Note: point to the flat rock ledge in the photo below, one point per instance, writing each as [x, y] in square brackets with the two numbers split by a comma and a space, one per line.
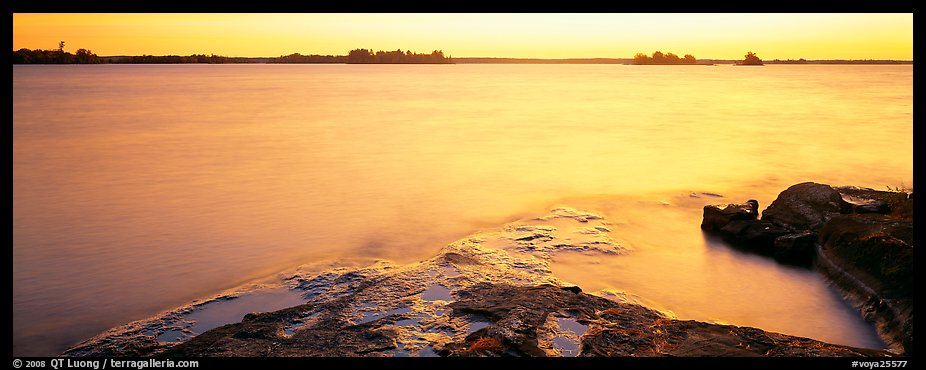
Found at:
[522, 321]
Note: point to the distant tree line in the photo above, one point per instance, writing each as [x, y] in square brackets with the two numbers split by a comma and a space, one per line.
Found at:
[789, 61]
[57, 56]
[841, 61]
[368, 56]
[660, 58]
[177, 59]
[84, 56]
[313, 58]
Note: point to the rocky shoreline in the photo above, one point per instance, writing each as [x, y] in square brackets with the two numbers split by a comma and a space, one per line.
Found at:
[493, 294]
[860, 239]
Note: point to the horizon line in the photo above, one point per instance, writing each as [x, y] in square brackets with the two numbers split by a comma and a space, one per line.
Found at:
[494, 57]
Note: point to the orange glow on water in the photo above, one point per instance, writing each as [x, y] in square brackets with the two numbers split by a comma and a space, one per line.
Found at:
[140, 187]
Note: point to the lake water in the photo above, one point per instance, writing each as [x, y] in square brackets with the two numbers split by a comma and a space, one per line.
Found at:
[137, 188]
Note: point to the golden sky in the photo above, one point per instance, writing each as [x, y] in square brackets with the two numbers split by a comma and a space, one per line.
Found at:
[515, 35]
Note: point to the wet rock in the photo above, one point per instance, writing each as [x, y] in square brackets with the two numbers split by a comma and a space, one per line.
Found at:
[519, 325]
[568, 212]
[718, 216]
[867, 200]
[664, 337]
[882, 248]
[797, 248]
[806, 206]
[875, 206]
[573, 289]
[615, 329]
[754, 235]
[737, 225]
[129, 346]
[517, 313]
[870, 257]
[264, 338]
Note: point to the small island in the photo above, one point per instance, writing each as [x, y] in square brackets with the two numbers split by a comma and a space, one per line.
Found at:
[364, 56]
[750, 60]
[659, 58]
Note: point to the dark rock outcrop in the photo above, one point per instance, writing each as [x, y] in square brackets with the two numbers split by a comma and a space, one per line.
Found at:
[799, 248]
[738, 225]
[756, 235]
[806, 206]
[881, 248]
[718, 216]
[861, 239]
[871, 258]
[865, 200]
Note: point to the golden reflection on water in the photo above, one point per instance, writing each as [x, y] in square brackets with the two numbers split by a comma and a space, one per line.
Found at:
[140, 187]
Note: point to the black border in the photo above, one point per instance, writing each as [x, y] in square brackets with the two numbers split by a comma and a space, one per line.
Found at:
[689, 6]
[378, 363]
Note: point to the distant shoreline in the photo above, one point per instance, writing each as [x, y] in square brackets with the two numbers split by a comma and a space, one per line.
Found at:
[474, 60]
[626, 61]
[629, 61]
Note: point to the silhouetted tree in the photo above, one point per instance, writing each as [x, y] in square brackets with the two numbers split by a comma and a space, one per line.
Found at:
[659, 57]
[752, 60]
[360, 56]
[641, 58]
[85, 56]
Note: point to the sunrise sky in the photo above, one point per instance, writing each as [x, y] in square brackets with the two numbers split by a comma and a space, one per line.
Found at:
[514, 35]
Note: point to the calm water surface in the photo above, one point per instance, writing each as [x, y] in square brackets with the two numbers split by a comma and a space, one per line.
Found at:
[137, 188]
